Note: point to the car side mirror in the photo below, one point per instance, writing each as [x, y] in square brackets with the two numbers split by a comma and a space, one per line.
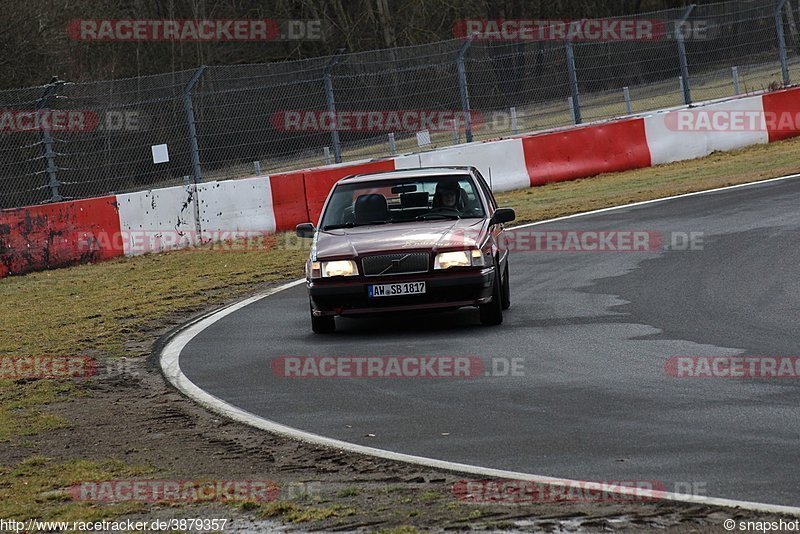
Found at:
[503, 215]
[305, 230]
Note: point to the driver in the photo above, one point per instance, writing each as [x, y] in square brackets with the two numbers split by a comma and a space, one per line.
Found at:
[448, 195]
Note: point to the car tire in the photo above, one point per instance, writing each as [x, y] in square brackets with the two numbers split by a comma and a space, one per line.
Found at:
[506, 288]
[323, 324]
[492, 312]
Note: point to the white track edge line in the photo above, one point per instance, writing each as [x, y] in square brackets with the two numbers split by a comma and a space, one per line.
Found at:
[169, 361]
[657, 200]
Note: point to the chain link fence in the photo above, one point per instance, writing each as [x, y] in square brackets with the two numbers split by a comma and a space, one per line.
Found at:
[74, 140]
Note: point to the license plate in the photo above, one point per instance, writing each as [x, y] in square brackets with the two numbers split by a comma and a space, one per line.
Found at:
[392, 290]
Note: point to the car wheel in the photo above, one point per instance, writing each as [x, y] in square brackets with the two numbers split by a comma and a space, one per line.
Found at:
[323, 324]
[492, 312]
[506, 288]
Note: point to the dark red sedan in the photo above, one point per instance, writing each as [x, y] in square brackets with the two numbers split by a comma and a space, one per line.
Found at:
[414, 239]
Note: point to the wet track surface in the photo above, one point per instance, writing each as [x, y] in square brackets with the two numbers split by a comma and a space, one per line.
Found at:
[594, 331]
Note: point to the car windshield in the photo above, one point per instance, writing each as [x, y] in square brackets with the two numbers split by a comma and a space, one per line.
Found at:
[403, 200]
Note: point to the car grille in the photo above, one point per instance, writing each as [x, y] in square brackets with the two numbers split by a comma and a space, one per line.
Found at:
[387, 264]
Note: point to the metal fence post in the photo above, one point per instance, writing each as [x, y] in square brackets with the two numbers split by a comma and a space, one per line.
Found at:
[194, 148]
[190, 183]
[514, 126]
[328, 74]
[626, 94]
[679, 39]
[462, 87]
[454, 129]
[573, 82]
[735, 76]
[571, 108]
[781, 41]
[47, 142]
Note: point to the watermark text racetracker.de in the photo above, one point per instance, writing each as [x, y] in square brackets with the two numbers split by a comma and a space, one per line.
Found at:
[394, 120]
[582, 30]
[155, 241]
[196, 30]
[67, 120]
[520, 492]
[540, 240]
[731, 121]
[458, 367]
[116, 491]
[535, 240]
[44, 367]
[783, 367]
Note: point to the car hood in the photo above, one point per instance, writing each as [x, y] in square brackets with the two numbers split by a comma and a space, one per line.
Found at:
[427, 235]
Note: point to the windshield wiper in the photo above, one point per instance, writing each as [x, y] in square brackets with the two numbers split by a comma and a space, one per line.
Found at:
[338, 226]
[452, 216]
[350, 225]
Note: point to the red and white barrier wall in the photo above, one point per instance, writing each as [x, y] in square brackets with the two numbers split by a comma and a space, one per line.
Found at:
[54, 235]
[785, 104]
[161, 219]
[501, 162]
[688, 134]
[581, 152]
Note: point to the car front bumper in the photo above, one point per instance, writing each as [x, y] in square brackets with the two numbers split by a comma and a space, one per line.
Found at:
[442, 290]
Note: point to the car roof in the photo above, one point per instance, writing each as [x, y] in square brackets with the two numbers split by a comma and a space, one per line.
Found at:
[408, 173]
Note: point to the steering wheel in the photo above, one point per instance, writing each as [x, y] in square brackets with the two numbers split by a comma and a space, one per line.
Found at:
[440, 209]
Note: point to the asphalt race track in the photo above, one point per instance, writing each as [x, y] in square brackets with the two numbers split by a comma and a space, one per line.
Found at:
[595, 330]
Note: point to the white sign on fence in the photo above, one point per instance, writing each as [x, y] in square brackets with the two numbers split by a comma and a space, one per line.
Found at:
[423, 138]
[160, 153]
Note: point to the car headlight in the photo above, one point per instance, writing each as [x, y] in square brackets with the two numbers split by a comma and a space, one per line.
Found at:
[459, 258]
[336, 268]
